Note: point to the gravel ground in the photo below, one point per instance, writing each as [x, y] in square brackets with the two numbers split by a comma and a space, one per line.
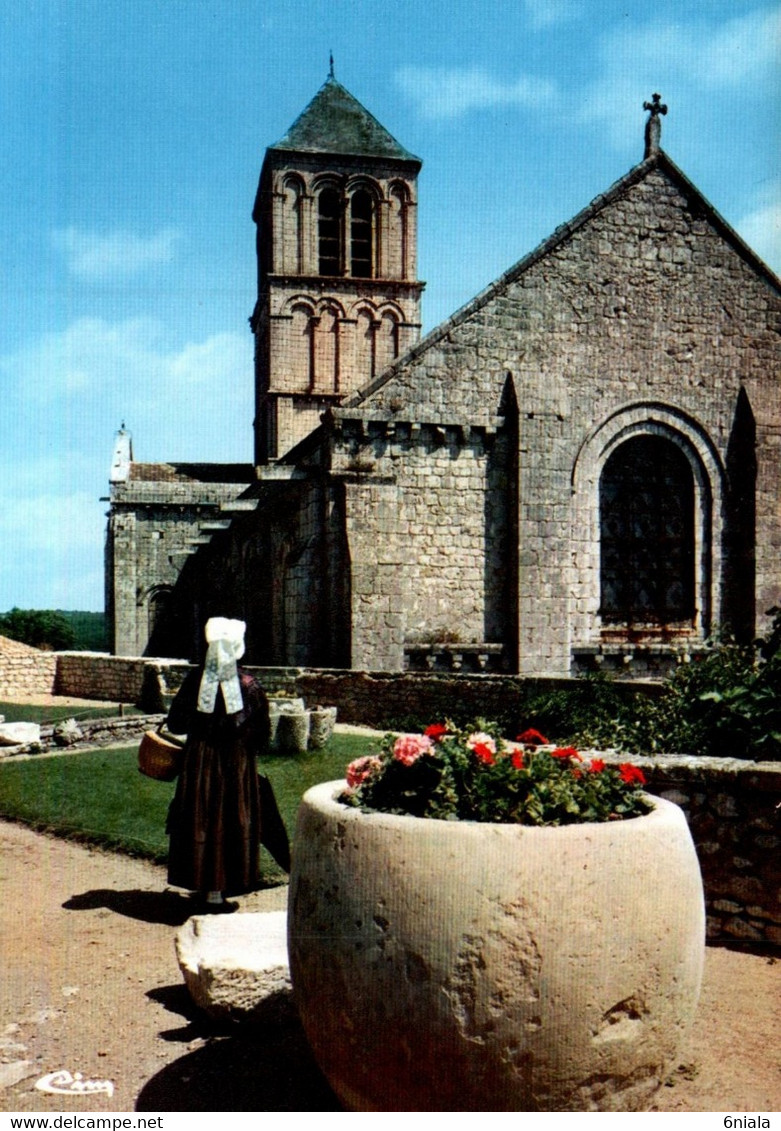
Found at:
[90, 984]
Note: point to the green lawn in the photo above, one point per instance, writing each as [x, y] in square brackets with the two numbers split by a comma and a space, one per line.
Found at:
[99, 796]
[28, 713]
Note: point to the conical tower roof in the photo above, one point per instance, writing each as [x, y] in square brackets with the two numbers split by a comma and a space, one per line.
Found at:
[336, 122]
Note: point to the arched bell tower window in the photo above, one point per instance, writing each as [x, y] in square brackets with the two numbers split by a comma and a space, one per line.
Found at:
[329, 232]
[647, 535]
[361, 211]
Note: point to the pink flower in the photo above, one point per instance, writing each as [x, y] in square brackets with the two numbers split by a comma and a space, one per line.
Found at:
[532, 737]
[408, 747]
[361, 769]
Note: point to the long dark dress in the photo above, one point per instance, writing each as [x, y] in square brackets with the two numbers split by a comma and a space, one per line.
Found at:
[214, 821]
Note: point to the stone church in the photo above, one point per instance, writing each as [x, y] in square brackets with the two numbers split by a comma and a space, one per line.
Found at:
[581, 468]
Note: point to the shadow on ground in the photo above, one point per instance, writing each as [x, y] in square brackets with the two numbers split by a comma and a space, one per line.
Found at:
[265, 1065]
[166, 907]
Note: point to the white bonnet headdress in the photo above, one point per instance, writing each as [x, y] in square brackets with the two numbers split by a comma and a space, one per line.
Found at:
[226, 645]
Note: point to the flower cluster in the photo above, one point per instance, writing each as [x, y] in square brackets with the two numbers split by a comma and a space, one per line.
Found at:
[474, 774]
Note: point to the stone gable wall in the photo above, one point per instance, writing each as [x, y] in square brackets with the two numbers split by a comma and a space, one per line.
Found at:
[643, 319]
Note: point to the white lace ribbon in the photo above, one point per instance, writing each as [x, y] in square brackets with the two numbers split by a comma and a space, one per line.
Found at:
[226, 645]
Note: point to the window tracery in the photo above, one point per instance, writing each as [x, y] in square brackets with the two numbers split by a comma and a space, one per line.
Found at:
[647, 535]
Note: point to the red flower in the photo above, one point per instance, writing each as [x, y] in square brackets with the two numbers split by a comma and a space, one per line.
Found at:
[577, 773]
[484, 752]
[517, 759]
[435, 731]
[597, 765]
[532, 737]
[631, 774]
[566, 752]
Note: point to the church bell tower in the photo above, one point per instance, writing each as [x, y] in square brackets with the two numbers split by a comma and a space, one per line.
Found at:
[338, 297]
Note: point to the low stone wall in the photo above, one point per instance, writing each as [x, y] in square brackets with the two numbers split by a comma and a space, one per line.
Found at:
[117, 679]
[26, 671]
[732, 807]
[380, 699]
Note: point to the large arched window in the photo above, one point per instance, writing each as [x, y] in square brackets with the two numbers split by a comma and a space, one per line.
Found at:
[329, 233]
[646, 518]
[361, 235]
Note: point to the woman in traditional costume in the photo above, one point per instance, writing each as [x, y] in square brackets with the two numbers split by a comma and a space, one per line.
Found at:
[217, 819]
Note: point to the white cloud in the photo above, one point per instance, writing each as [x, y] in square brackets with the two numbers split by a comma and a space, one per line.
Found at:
[688, 62]
[95, 255]
[546, 13]
[450, 92]
[126, 361]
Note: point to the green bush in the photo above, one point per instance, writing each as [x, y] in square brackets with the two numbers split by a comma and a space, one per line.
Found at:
[40, 628]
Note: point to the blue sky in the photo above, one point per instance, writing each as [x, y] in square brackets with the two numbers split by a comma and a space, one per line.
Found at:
[134, 133]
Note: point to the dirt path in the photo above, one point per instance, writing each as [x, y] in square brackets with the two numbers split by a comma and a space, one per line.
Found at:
[89, 983]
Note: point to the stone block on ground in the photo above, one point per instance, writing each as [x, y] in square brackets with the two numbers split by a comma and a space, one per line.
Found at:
[235, 966]
[16, 734]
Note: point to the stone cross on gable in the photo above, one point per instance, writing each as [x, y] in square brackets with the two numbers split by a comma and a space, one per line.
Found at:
[653, 127]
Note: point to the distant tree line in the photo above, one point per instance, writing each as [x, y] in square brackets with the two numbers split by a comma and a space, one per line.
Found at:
[55, 630]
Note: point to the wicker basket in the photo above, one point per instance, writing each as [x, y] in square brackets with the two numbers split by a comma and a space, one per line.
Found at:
[160, 756]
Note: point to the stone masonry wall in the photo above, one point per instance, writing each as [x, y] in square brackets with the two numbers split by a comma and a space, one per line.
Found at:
[443, 538]
[641, 316]
[25, 671]
[91, 675]
[151, 533]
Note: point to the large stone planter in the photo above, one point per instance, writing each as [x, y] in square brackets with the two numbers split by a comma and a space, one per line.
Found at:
[454, 966]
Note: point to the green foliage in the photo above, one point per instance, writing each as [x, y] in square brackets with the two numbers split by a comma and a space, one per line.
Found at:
[56, 629]
[89, 630]
[40, 628]
[745, 711]
[473, 774]
[725, 704]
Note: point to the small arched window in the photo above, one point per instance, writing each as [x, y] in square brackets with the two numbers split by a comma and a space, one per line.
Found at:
[329, 233]
[398, 251]
[646, 515]
[361, 236]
